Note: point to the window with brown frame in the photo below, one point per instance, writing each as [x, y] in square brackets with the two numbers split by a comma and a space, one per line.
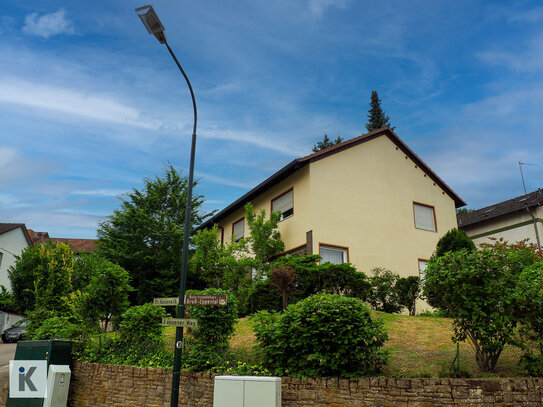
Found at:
[284, 203]
[333, 254]
[238, 230]
[425, 217]
[422, 269]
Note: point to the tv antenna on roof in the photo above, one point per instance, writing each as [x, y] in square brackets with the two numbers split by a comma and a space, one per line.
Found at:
[520, 164]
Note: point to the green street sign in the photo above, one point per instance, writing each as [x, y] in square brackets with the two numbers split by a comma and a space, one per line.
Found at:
[180, 322]
[163, 302]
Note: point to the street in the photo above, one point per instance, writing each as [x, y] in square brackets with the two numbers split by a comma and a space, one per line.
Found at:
[7, 353]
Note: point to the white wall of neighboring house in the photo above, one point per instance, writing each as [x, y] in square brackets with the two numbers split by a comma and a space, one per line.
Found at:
[12, 244]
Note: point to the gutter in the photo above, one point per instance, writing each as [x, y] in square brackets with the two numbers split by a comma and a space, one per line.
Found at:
[535, 228]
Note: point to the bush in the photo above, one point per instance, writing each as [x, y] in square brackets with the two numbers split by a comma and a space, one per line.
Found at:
[216, 325]
[408, 290]
[383, 294]
[529, 296]
[262, 296]
[478, 289]
[314, 278]
[323, 335]
[142, 323]
[453, 241]
[7, 300]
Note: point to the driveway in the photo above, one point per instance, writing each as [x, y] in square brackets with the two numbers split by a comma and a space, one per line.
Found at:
[7, 353]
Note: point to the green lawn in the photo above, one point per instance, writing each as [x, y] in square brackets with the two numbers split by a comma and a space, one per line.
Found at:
[419, 346]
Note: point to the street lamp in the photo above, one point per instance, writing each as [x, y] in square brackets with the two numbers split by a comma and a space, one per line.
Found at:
[154, 26]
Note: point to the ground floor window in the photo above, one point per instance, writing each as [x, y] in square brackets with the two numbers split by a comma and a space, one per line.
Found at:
[333, 254]
[422, 268]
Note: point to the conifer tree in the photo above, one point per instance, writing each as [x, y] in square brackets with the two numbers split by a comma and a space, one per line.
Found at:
[326, 142]
[376, 117]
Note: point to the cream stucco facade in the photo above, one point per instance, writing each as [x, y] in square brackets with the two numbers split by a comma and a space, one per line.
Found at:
[512, 227]
[361, 198]
[12, 243]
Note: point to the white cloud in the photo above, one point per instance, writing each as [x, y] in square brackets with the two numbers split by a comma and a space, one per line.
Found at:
[526, 59]
[318, 7]
[48, 25]
[71, 101]
[100, 192]
[224, 181]
[534, 15]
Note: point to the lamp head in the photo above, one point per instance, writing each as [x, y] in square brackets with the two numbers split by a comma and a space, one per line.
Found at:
[151, 21]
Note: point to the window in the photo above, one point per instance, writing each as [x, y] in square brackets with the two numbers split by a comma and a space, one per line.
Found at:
[425, 217]
[422, 269]
[238, 230]
[1, 254]
[333, 254]
[284, 203]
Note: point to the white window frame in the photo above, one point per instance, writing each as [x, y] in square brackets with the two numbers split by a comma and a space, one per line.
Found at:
[420, 225]
[290, 210]
[344, 250]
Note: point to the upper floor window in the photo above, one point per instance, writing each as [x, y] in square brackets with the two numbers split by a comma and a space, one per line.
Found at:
[238, 230]
[425, 217]
[284, 203]
[1, 254]
[333, 254]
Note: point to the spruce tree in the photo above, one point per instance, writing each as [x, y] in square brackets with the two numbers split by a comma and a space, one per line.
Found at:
[376, 117]
[326, 142]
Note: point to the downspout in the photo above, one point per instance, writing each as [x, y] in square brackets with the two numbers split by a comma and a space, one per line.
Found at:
[535, 228]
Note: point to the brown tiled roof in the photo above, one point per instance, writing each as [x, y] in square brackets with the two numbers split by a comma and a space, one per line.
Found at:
[503, 208]
[6, 227]
[298, 163]
[78, 245]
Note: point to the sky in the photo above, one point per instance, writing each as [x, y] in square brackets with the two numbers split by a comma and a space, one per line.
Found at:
[91, 104]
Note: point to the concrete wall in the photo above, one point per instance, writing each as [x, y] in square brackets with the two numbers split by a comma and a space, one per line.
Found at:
[11, 243]
[114, 386]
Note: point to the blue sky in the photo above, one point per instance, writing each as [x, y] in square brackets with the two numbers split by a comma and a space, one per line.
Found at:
[90, 104]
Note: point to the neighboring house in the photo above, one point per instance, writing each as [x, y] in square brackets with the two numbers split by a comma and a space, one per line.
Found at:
[14, 239]
[513, 220]
[369, 201]
[78, 245]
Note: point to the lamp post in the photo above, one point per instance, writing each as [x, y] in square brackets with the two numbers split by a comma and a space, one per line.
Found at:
[155, 27]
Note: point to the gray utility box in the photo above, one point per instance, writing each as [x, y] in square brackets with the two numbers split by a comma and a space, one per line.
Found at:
[58, 385]
[247, 391]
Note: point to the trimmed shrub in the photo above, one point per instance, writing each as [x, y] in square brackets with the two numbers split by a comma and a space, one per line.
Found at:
[323, 335]
[383, 294]
[216, 325]
[142, 323]
[453, 241]
[262, 296]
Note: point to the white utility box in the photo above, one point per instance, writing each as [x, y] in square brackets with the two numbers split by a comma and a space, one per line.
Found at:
[247, 391]
[58, 385]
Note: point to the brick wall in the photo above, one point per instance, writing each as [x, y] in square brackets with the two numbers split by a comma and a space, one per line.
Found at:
[115, 386]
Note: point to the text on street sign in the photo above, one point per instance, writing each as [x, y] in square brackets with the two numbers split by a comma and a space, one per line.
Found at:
[165, 301]
[216, 300]
[180, 322]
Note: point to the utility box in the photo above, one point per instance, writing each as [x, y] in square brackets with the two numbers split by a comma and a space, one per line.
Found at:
[247, 391]
[53, 351]
[58, 385]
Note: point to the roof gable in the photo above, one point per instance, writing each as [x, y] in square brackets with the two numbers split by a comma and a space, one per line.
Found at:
[8, 227]
[298, 163]
[502, 208]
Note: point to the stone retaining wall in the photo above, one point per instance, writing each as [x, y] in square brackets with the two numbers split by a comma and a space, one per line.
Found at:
[96, 385]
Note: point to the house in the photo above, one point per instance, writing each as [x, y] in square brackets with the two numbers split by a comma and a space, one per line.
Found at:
[370, 201]
[78, 245]
[14, 238]
[513, 220]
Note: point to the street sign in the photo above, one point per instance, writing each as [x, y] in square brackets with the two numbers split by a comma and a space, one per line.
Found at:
[180, 322]
[216, 300]
[162, 302]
